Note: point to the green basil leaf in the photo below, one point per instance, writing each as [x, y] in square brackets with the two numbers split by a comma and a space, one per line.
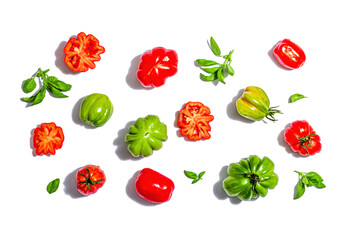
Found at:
[58, 84]
[211, 77]
[191, 175]
[201, 174]
[300, 190]
[305, 180]
[56, 92]
[195, 181]
[29, 85]
[296, 96]
[39, 97]
[214, 47]
[29, 99]
[53, 186]
[211, 70]
[220, 75]
[205, 63]
[230, 70]
[320, 185]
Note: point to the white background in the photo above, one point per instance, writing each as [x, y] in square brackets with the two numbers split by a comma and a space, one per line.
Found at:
[33, 35]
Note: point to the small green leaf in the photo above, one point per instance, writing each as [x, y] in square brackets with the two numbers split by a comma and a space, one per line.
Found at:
[56, 92]
[211, 70]
[205, 63]
[191, 175]
[300, 190]
[58, 84]
[220, 75]
[211, 77]
[305, 180]
[296, 96]
[195, 180]
[39, 97]
[230, 70]
[201, 174]
[53, 186]
[29, 85]
[320, 185]
[29, 99]
[214, 47]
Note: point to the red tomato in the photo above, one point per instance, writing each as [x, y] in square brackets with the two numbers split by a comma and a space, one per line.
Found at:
[289, 55]
[81, 53]
[156, 66]
[153, 186]
[47, 138]
[302, 138]
[194, 121]
[89, 179]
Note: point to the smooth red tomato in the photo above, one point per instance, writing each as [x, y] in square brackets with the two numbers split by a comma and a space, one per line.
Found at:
[156, 66]
[89, 179]
[47, 138]
[302, 138]
[289, 55]
[153, 186]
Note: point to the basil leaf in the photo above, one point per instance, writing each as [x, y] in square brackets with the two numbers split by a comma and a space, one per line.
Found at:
[205, 63]
[39, 97]
[300, 190]
[211, 70]
[29, 85]
[28, 99]
[58, 84]
[220, 75]
[214, 47]
[305, 180]
[212, 77]
[195, 181]
[191, 175]
[230, 70]
[201, 174]
[320, 185]
[53, 186]
[56, 92]
[296, 96]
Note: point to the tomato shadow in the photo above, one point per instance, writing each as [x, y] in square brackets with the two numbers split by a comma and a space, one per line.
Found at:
[131, 78]
[218, 188]
[232, 112]
[284, 144]
[70, 185]
[273, 59]
[59, 59]
[121, 151]
[75, 115]
[131, 192]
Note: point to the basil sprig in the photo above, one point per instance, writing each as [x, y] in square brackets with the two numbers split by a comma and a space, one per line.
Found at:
[194, 176]
[53, 186]
[50, 83]
[308, 179]
[216, 70]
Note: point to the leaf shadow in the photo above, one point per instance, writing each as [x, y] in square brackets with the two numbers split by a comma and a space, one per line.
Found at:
[132, 194]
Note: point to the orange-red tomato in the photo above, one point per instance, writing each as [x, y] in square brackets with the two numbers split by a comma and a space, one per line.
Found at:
[89, 179]
[47, 138]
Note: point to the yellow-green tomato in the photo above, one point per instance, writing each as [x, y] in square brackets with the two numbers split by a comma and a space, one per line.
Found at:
[96, 109]
[254, 104]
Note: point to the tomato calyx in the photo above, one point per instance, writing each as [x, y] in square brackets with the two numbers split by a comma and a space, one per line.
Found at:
[88, 181]
[303, 140]
[272, 112]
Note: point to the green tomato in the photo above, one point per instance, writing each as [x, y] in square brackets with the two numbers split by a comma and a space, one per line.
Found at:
[254, 104]
[250, 178]
[146, 135]
[96, 109]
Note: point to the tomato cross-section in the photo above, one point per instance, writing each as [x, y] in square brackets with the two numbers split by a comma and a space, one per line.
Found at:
[194, 121]
[81, 53]
[47, 138]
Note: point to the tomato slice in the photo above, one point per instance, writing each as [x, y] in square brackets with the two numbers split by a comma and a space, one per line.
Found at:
[194, 121]
[47, 138]
[81, 53]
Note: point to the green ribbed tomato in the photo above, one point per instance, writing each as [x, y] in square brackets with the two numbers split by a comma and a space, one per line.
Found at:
[96, 109]
[250, 178]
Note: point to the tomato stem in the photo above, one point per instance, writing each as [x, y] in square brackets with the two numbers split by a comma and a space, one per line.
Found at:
[271, 112]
